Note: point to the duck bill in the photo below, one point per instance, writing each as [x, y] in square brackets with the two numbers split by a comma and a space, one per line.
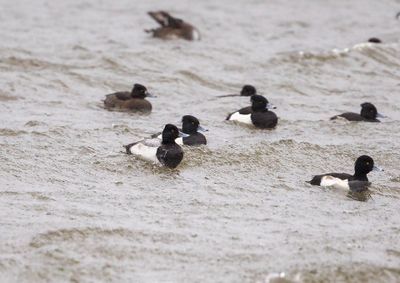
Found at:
[148, 94]
[183, 135]
[377, 169]
[270, 106]
[201, 129]
[379, 115]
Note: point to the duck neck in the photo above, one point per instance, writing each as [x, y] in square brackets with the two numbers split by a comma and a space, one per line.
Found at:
[189, 131]
[168, 141]
[360, 176]
[257, 109]
[135, 94]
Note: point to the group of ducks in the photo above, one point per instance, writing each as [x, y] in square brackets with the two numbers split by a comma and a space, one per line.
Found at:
[165, 148]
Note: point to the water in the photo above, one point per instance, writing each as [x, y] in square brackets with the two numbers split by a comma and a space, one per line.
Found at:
[74, 208]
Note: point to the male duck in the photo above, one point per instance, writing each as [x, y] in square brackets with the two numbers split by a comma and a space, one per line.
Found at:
[368, 113]
[164, 152]
[257, 114]
[363, 165]
[191, 127]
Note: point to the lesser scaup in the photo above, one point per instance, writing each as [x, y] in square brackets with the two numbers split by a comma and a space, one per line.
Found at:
[130, 101]
[191, 127]
[247, 90]
[172, 28]
[165, 152]
[368, 113]
[257, 114]
[363, 165]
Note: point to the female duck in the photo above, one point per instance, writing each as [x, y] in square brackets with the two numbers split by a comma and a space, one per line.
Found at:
[165, 152]
[129, 101]
[172, 27]
[257, 114]
[368, 113]
[363, 165]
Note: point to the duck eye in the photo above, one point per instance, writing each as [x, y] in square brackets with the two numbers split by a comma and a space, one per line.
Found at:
[367, 163]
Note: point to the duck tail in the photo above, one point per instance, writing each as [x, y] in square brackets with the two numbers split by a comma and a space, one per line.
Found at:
[128, 147]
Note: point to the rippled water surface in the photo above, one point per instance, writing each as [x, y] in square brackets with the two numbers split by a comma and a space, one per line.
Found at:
[74, 208]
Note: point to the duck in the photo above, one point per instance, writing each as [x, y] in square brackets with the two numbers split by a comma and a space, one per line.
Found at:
[368, 113]
[130, 101]
[172, 28]
[247, 90]
[164, 152]
[363, 165]
[358, 190]
[374, 40]
[191, 127]
[257, 114]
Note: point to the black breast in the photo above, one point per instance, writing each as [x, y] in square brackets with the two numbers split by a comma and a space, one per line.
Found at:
[170, 155]
[264, 120]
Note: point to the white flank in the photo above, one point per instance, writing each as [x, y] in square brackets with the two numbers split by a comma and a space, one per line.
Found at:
[179, 141]
[145, 152]
[336, 183]
[195, 34]
[242, 118]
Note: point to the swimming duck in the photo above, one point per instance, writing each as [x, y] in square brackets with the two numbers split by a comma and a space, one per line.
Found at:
[191, 127]
[257, 114]
[130, 101]
[368, 113]
[165, 152]
[363, 165]
[247, 90]
[374, 40]
[357, 190]
[172, 28]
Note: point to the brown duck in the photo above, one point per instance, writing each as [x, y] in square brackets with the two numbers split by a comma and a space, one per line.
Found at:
[129, 101]
[172, 28]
